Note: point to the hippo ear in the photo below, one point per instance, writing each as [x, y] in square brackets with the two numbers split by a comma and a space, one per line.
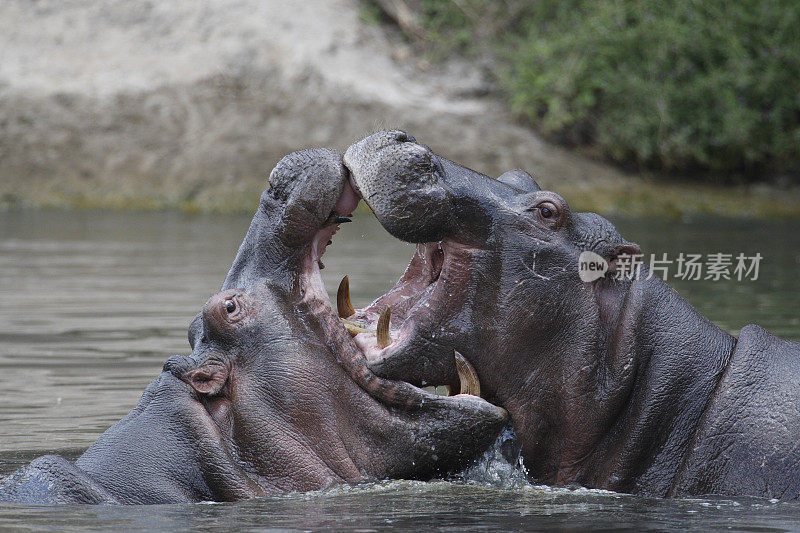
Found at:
[626, 250]
[520, 180]
[195, 330]
[209, 378]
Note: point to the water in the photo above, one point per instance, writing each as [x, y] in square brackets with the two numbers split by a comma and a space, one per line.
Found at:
[93, 303]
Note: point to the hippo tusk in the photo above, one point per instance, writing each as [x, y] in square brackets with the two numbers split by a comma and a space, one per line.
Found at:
[384, 339]
[343, 303]
[467, 376]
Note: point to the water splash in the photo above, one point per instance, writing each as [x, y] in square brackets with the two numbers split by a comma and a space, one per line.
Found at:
[500, 466]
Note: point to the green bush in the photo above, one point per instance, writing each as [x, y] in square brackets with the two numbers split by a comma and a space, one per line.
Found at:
[664, 84]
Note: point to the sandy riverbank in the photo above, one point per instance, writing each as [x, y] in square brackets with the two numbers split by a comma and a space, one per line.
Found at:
[189, 104]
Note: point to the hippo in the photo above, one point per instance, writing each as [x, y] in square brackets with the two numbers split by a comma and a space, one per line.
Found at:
[614, 383]
[275, 395]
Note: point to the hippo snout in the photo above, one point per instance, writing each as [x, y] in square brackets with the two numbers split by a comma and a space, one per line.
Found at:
[401, 181]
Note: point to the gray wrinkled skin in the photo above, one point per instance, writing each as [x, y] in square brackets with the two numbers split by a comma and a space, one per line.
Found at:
[613, 384]
[275, 396]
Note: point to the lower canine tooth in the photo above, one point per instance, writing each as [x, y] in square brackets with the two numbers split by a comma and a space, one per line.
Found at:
[384, 339]
[343, 303]
[467, 376]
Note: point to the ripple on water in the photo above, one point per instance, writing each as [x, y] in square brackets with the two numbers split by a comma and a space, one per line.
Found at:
[95, 302]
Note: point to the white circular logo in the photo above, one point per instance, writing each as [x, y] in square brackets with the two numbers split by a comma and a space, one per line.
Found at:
[591, 266]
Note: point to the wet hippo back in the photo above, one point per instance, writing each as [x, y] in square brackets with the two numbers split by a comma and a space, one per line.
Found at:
[749, 436]
[52, 479]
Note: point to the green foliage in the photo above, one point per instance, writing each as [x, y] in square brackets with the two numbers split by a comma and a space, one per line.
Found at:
[666, 84]
[371, 13]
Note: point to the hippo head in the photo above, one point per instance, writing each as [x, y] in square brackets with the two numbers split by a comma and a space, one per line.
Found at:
[495, 277]
[282, 378]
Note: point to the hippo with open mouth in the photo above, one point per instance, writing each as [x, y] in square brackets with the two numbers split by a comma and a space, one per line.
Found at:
[613, 383]
[276, 395]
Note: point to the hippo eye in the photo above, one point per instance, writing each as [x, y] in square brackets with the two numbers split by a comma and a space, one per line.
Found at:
[548, 211]
[230, 306]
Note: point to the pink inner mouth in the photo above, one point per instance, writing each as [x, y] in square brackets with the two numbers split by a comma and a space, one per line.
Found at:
[344, 207]
[410, 300]
[420, 303]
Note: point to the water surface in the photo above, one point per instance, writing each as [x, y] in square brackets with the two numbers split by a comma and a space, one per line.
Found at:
[93, 303]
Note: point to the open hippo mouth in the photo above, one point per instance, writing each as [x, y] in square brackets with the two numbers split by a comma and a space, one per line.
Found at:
[404, 319]
[421, 327]
[390, 323]
[311, 194]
